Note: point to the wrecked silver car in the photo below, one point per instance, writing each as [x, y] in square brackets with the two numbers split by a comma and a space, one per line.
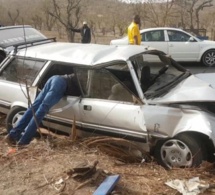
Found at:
[133, 92]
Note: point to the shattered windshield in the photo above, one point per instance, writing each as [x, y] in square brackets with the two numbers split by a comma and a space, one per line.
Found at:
[158, 74]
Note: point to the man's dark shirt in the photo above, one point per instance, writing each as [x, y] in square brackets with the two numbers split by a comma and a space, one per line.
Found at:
[85, 34]
[73, 88]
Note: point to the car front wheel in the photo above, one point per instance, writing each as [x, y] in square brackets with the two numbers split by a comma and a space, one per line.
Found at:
[14, 116]
[181, 151]
[208, 58]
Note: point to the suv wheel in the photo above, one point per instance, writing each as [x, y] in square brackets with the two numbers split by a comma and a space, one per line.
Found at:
[181, 151]
[14, 116]
[208, 58]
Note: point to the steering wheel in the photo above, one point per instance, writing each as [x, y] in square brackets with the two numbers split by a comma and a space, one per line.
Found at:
[163, 70]
[160, 72]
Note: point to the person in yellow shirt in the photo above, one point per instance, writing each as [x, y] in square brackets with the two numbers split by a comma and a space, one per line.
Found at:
[134, 37]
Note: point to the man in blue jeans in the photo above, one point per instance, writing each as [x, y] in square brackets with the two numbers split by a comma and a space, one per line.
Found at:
[55, 88]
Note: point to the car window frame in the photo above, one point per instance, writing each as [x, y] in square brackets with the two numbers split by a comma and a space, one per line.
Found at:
[25, 34]
[12, 58]
[90, 78]
[144, 35]
[179, 32]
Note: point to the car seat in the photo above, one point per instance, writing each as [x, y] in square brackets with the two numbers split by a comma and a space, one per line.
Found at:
[145, 79]
[118, 92]
[149, 37]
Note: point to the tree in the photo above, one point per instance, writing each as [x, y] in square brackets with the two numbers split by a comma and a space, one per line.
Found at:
[193, 7]
[3, 15]
[49, 20]
[200, 7]
[14, 17]
[38, 21]
[68, 13]
[117, 20]
[158, 14]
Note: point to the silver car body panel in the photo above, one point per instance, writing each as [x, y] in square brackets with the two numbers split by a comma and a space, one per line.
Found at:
[87, 55]
[171, 121]
[196, 88]
[19, 93]
[105, 111]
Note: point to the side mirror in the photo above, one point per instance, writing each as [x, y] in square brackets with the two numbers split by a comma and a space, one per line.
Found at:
[191, 39]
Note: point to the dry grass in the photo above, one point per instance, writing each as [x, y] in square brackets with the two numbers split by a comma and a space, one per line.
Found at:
[37, 168]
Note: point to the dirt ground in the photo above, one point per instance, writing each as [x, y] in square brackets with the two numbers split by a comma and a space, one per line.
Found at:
[44, 168]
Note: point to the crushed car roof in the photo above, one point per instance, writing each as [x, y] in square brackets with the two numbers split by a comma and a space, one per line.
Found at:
[83, 54]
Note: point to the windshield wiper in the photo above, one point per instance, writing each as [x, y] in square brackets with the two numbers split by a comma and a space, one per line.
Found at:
[165, 89]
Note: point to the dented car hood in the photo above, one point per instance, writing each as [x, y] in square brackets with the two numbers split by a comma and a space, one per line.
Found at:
[195, 88]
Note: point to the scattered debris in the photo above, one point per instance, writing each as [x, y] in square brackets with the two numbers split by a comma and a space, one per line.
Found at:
[11, 151]
[192, 186]
[59, 185]
[91, 180]
[83, 171]
[123, 150]
[107, 185]
[47, 132]
[87, 173]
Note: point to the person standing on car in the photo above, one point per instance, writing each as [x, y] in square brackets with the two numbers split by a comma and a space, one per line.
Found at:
[85, 33]
[134, 37]
[55, 88]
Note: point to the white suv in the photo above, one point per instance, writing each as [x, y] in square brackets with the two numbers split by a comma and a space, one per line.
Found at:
[134, 92]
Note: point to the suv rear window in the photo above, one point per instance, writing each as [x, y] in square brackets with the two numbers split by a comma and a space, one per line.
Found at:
[22, 70]
[12, 36]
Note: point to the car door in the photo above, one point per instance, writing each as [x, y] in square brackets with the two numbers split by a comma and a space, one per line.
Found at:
[108, 106]
[64, 114]
[180, 46]
[156, 39]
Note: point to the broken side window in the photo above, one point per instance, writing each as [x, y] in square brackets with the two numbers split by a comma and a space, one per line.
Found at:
[22, 70]
[110, 83]
[54, 69]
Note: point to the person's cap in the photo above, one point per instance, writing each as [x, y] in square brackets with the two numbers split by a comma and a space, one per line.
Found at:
[84, 22]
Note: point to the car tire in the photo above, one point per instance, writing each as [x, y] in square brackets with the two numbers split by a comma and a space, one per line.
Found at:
[208, 58]
[181, 151]
[14, 116]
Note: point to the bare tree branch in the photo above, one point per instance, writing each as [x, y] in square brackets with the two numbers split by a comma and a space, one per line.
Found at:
[13, 18]
[68, 14]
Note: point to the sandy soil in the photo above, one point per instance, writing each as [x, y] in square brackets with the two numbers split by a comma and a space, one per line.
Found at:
[39, 168]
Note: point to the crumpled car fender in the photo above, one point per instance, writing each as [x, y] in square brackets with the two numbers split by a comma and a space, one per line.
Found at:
[171, 121]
